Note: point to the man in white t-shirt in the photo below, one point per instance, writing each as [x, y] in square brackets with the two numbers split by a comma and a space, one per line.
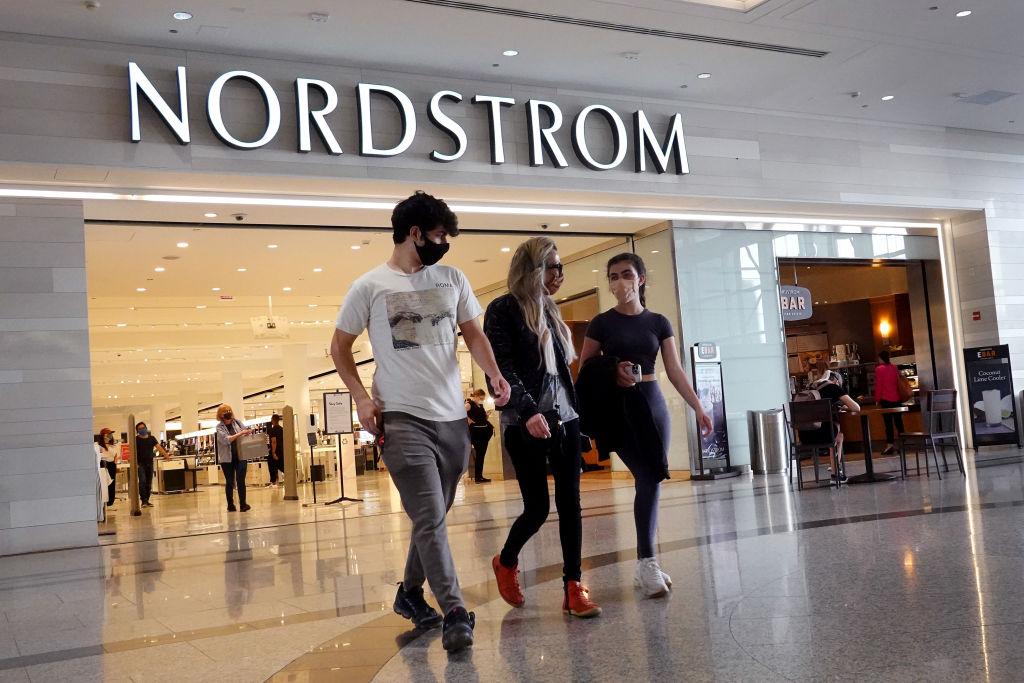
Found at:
[411, 309]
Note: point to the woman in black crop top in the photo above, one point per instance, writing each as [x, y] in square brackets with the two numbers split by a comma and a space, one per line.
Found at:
[634, 335]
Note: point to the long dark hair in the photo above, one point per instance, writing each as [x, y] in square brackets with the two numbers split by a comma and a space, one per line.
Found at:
[638, 266]
[884, 357]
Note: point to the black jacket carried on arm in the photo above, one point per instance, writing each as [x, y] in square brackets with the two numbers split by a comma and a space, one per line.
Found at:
[617, 417]
[519, 359]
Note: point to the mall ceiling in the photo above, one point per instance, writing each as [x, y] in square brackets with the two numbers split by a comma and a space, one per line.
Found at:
[938, 68]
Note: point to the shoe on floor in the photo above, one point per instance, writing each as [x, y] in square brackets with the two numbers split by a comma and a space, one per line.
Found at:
[482, 480]
[649, 578]
[147, 504]
[666, 578]
[232, 508]
[458, 630]
[889, 450]
[246, 507]
[577, 602]
[508, 582]
[412, 605]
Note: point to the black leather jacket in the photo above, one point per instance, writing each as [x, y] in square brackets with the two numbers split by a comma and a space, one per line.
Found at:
[519, 359]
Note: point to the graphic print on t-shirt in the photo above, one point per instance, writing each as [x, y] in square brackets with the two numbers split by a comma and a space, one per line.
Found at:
[420, 318]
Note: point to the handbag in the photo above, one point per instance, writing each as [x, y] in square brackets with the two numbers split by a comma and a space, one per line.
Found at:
[252, 447]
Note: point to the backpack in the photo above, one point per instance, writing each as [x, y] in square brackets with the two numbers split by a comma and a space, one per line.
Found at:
[808, 395]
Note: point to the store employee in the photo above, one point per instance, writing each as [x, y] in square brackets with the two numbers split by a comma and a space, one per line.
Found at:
[145, 444]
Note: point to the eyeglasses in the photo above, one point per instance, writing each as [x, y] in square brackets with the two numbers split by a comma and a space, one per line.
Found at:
[557, 267]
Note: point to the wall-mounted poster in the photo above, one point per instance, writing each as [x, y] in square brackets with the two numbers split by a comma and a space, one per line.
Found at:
[991, 397]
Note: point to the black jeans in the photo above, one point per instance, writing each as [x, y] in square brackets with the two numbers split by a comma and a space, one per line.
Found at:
[891, 419]
[530, 458]
[234, 476]
[145, 480]
[480, 443]
[275, 465]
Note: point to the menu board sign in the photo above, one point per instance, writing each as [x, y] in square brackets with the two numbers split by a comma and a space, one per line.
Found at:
[991, 398]
[707, 382]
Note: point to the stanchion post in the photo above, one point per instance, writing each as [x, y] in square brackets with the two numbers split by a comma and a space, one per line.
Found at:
[290, 464]
[134, 504]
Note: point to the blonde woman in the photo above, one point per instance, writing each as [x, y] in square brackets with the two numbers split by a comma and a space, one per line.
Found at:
[228, 431]
[533, 347]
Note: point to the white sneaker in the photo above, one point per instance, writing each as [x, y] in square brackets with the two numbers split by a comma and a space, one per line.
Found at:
[666, 578]
[649, 579]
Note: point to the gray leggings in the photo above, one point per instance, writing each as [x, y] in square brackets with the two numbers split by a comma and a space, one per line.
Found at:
[648, 470]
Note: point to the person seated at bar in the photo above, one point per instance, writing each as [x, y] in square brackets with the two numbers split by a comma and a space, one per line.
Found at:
[830, 386]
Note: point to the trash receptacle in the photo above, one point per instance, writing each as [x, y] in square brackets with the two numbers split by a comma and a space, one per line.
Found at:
[769, 443]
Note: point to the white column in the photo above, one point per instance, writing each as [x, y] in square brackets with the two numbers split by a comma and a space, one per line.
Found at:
[157, 417]
[296, 386]
[231, 383]
[189, 411]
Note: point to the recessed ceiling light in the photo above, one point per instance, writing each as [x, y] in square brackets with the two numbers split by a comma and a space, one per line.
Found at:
[594, 270]
[228, 322]
[122, 324]
[182, 245]
[210, 214]
[888, 98]
[963, 13]
[563, 225]
[704, 76]
[505, 250]
[510, 53]
[215, 289]
[201, 306]
[312, 305]
[182, 16]
[140, 289]
[271, 246]
[242, 270]
[159, 269]
[318, 270]
[655, 251]
[356, 247]
[286, 289]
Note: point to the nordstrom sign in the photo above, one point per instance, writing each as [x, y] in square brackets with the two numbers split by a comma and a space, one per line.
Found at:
[664, 153]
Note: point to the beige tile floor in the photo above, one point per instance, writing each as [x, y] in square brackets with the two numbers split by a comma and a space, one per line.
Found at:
[906, 580]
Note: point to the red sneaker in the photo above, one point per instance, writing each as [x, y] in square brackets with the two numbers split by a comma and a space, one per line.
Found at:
[508, 582]
[577, 602]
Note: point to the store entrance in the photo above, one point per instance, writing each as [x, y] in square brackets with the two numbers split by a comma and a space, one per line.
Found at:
[860, 309]
[178, 325]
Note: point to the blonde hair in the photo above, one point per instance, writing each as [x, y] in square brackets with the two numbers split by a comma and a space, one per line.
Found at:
[526, 284]
[223, 410]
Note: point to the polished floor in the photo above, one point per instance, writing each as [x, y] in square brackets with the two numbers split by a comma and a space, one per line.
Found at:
[905, 580]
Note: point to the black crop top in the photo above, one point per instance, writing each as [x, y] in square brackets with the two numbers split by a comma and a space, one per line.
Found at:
[634, 338]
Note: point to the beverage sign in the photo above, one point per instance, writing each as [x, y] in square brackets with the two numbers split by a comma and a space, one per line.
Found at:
[990, 395]
[707, 382]
[795, 302]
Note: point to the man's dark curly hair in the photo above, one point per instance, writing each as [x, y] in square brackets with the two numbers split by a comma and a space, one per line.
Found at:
[425, 211]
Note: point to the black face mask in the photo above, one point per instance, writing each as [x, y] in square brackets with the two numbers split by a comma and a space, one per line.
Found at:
[431, 252]
[229, 416]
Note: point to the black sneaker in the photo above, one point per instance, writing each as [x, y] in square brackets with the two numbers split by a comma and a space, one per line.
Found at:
[411, 605]
[458, 630]
[246, 507]
[231, 508]
[483, 480]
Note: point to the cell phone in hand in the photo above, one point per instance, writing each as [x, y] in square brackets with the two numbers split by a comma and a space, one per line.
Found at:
[637, 374]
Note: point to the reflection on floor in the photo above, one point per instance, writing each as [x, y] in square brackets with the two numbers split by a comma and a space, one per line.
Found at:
[904, 580]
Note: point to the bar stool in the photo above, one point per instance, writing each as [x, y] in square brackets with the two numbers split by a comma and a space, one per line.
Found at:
[940, 411]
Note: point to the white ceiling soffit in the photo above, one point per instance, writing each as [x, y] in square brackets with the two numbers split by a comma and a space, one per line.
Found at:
[921, 56]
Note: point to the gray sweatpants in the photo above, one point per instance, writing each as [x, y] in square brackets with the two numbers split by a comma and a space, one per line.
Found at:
[426, 460]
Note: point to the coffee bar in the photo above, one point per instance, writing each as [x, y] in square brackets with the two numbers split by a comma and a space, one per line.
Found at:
[854, 311]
